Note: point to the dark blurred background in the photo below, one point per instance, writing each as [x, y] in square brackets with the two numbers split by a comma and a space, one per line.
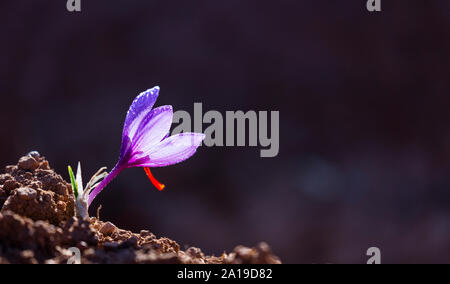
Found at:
[364, 104]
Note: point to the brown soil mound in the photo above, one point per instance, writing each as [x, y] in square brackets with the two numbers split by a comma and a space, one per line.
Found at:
[38, 225]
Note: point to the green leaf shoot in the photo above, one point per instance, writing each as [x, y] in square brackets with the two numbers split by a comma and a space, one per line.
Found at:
[73, 181]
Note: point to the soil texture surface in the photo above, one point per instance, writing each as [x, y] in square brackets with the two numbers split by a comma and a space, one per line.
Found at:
[38, 225]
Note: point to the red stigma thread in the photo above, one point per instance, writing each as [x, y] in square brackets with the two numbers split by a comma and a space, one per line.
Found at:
[156, 183]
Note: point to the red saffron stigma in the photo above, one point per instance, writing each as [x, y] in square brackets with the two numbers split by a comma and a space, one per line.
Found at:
[156, 183]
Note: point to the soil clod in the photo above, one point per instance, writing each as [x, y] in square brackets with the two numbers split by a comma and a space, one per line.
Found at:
[28, 163]
[38, 225]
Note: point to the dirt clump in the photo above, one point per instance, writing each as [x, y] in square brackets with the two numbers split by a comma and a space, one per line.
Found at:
[31, 189]
[38, 225]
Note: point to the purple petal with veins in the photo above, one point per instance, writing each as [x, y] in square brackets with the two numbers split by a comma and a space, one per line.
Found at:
[153, 128]
[140, 107]
[170, 151]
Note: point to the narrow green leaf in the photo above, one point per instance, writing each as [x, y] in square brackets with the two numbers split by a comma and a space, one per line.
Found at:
[74, 183]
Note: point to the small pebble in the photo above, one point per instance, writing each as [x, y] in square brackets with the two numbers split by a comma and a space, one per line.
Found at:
[195, 252]
[108, 228]
[145, 233]
[26, 193]
[35, 155]
[28, 163]
[264, 247]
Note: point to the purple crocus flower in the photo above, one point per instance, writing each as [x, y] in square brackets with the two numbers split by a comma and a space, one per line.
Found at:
[146, 142]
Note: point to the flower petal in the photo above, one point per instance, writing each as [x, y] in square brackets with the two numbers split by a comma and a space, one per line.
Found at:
[125, 150]
[170, 151]
[152, 129]
[140, 107]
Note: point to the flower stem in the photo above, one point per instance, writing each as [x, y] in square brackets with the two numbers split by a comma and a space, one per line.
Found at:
[114, 172]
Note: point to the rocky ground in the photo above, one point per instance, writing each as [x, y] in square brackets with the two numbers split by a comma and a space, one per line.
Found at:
[38, 225]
